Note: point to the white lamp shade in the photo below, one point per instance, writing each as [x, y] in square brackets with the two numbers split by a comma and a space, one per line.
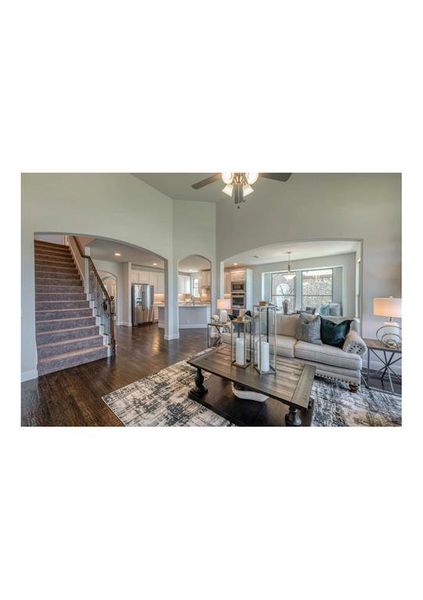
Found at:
[387, 307]
[224, 303]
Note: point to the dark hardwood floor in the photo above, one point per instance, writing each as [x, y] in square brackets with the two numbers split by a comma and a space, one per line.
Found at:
[73, 397]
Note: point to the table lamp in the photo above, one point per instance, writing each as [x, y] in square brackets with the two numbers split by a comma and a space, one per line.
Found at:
[390, 332]
[223, 304]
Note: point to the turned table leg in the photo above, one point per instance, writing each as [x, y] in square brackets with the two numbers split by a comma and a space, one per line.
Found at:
[293, 418]
[199, 390]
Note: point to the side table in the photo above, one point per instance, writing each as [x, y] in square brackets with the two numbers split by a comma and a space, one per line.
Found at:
[387, 356]
[220, 327]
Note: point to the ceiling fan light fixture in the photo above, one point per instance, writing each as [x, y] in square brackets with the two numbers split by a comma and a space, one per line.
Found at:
[247, 189]
[228, 190]
[227, 178]
[251, 177]
[238, 193]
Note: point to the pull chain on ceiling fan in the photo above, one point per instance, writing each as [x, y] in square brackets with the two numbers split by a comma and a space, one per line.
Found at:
[238, 185]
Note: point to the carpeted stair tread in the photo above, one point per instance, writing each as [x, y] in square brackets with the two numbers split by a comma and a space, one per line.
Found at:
[64, 297]
[62, 313]
[60, 304]
[64, 335]
[56, 324]
[54, 262]
[54, 349]
[51, 281]
[59, 289]
[70, 359]
[66, 330]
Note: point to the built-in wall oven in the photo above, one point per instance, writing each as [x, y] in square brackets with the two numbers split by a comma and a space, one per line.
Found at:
[237, 288]
[238, 300]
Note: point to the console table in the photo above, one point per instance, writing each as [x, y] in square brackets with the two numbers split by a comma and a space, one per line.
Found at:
[387, 356]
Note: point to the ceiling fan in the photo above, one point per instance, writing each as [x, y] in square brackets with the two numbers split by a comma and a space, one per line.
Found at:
[238, 185]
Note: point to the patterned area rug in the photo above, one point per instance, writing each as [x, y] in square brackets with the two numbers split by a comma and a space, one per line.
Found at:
[336, 406]
[161, 400]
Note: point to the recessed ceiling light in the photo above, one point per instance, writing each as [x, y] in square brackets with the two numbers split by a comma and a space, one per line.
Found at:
[117, 253]
[235, 264]
[154, 264]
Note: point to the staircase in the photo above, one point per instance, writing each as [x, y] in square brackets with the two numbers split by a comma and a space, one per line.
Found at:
[67, 334]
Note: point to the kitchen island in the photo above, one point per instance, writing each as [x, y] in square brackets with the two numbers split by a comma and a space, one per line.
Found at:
[191, 316]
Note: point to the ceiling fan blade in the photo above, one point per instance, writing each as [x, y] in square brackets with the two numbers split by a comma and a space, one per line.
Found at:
[204, 182]
[277, 176]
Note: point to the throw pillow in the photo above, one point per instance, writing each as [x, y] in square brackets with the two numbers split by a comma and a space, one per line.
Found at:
[335, 310]
[334, 334]
[308, 329]
[287, 324]
[324, 310]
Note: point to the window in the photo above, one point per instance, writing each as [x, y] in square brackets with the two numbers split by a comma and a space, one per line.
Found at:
[195, 290]
[283, 288]
[317, 287]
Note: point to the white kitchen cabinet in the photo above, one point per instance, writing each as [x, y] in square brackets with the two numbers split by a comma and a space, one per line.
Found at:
[155, 278]
[238, 276]
[184, 284]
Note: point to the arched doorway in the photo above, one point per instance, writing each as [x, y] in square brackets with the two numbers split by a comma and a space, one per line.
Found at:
[194, 292]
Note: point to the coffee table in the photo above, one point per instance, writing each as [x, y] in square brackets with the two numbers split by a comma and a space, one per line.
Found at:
[291, 385]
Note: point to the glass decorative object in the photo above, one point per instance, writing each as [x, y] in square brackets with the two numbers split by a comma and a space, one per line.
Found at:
[264, 338]
[241, 342]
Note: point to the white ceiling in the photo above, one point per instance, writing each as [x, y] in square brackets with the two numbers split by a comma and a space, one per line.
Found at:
[178, 186]
[299, 251]
[105, 250]
[193, 263]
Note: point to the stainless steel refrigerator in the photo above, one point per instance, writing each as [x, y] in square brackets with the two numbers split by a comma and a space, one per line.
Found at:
[142, 303]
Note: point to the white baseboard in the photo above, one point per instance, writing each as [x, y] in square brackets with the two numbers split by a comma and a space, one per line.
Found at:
[27, 375]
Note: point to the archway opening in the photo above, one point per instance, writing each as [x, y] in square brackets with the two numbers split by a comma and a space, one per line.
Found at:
[314, 275]
[194, 292]
[121, 265]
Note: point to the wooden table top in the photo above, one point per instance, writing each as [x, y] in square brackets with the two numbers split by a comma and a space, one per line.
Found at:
[291, 385]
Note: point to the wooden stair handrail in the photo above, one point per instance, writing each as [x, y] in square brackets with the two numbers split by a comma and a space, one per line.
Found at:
[99, 280]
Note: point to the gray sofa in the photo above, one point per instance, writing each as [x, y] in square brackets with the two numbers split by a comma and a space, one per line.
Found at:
[340, 364]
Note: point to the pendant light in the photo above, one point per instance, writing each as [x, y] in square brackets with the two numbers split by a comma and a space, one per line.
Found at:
[290, 274]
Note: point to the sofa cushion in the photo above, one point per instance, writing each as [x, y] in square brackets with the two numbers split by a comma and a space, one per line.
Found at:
[308, 329]
[334, 334]
[286, 324]
[285, 346]
[327, 355]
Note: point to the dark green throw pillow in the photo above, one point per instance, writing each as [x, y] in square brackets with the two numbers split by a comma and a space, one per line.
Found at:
[334, 334]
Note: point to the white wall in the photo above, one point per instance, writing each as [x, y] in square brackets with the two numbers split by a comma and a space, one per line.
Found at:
[194, 232]
[119, 207]
[115, 206]
[346, 287]
[326, 207]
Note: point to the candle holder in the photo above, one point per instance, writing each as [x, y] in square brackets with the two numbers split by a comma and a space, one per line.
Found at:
[264, 338]
[241, 342]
